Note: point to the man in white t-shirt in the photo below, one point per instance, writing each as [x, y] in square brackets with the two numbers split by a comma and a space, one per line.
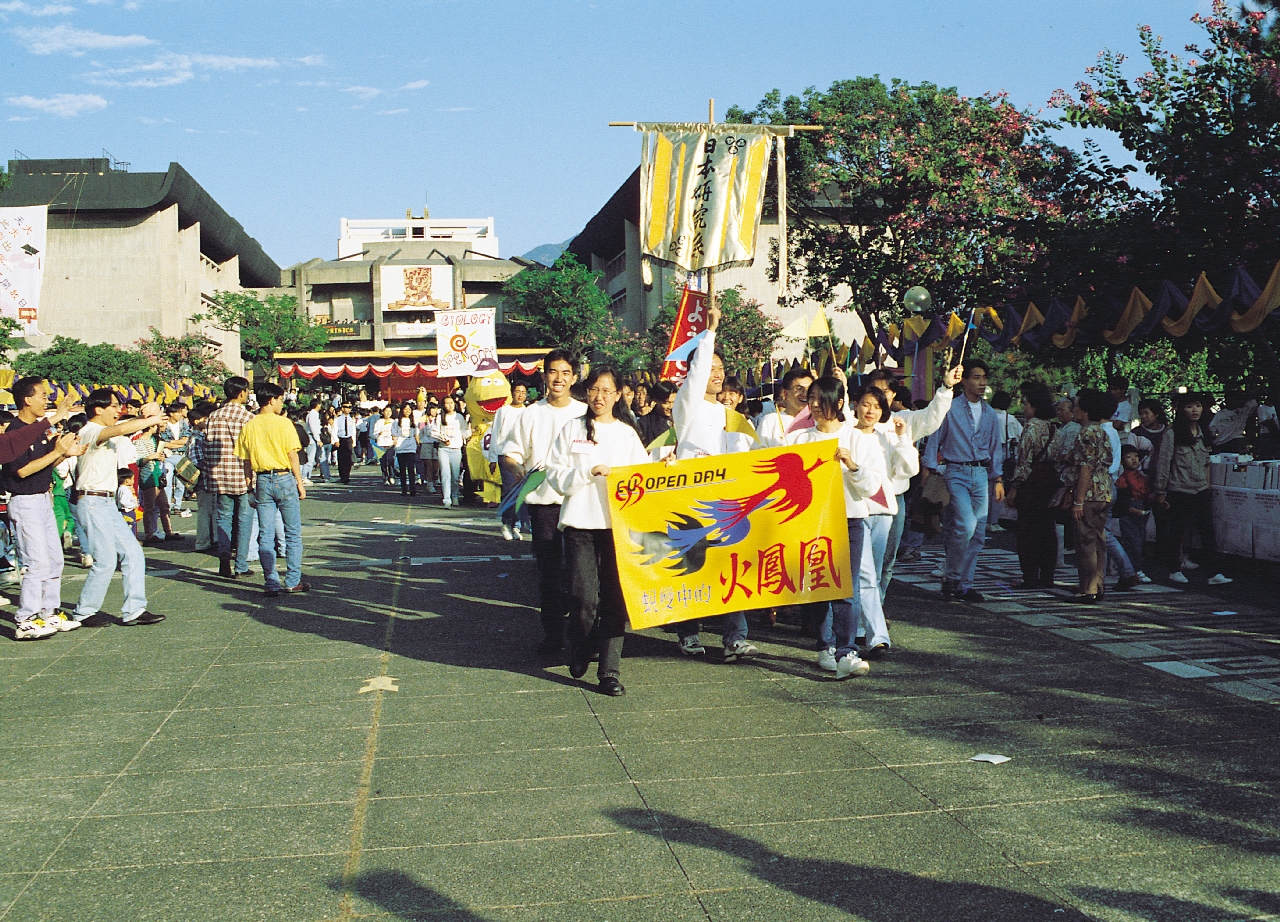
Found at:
[525, 450]
[106, 536]
[504, 423]
[772, 425]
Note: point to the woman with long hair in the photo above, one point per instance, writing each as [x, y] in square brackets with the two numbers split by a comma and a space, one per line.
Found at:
[451, 431]
[428, 448]
[1090, 491]
[838, 621]
[1153, 425]
[381, 435]
[405, 434]
[1033, 487]
[578, 466]
[1182, 482]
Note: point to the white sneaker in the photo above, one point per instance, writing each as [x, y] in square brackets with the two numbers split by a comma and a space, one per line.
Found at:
[12, 577]
[184, 514]
[1177, 577]
[692, 646]
[518, 534]
[1190, 565]
[60, 621]
[994, 529]
[1220, 580]
[1143, 578]
[827, 660]
[737, 650]
[506, 532]
[939, 573]
[86, 561]
[851, 665]
[34, 629]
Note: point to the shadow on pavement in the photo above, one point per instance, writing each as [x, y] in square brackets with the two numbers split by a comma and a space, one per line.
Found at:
[398, 893]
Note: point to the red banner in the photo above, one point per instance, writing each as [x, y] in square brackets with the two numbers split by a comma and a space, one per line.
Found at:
[691, 319]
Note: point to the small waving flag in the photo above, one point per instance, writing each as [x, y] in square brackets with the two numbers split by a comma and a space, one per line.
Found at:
[803, 420]
[682, 353]
[736, 422]
[667, 438]
[515, 499]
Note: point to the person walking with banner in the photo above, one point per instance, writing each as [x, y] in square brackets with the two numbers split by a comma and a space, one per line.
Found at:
[701, 430]
[774, 425]
[578, 465]
[526, 451]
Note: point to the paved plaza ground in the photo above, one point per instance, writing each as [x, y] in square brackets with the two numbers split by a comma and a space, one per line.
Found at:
[388, 747]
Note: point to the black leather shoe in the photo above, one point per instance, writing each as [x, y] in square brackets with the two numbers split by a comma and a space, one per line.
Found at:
[972, 596]
[611, 686]
[96, 620]
[879, 651]
[272, 593]
[224, 568]
[147, 617]
[579, 661]
[301, 587]
[1084, 599]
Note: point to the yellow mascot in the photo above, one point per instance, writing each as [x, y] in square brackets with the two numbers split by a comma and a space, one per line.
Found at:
[485, 395]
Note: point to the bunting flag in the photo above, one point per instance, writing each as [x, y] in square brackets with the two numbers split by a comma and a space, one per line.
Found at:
[796, 329]
[736, 422]
[819, 327]
[515, 499]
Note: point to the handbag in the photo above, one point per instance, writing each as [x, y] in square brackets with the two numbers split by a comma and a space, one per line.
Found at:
[186, 470]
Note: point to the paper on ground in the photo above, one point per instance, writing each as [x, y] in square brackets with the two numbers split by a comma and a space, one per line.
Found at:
[989, 757]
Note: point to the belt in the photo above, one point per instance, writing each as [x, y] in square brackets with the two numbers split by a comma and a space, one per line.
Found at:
[95, 493]
[280, 470]
[967, 463]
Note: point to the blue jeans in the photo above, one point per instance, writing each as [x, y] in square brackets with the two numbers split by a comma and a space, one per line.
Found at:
[1115, 550]
[235, 517]
[965, 529]
[451, 475]
[325, 454]
[843, 621]
[733, 627]
[308, 465]
[894, 538]
[279, 492]
[110, 540]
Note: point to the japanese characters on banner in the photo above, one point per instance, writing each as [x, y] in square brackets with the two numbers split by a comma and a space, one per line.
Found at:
[416, 288]
[701, 192]
[691, 319]
[706, 536]
[465, 342]
[23, 237]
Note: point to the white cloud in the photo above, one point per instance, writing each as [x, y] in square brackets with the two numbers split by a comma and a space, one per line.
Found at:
[322, 84]
[415, 85]
[154, 121]
[75, 41]
[457, 109]
[172, 69]
[48, 9]
[22, 118]
[64, 105]
[312, 60]
[393, 111]
[364, 92]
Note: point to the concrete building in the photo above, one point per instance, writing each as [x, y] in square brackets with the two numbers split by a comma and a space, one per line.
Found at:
[477, 233]
[610, 244]
[131, 251]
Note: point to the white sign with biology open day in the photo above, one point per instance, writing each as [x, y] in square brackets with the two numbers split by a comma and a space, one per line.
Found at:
[465, 340]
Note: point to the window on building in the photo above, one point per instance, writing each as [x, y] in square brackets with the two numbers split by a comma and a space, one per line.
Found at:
[419, 233]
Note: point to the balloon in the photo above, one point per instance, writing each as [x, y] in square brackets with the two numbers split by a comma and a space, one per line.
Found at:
[917, 300]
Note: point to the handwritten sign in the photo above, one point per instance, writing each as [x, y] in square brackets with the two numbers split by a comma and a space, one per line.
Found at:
[465, 340]
[706, 536]
[23, 237]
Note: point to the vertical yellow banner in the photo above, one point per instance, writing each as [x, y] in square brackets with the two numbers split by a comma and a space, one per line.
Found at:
[706, 536]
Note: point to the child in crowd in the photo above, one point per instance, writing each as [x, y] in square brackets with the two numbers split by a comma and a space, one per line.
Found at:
[126, 499]
[1132, 506]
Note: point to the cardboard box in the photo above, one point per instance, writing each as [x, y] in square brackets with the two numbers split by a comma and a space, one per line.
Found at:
[1218, 473]
[1233, 511]
[1255, 477]
[1266, 524]
[1237, 476]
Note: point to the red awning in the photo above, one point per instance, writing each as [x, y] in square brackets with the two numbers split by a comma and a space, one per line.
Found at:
[333, 366]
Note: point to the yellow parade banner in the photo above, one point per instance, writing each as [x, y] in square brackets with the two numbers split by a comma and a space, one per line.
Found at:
[706, 536]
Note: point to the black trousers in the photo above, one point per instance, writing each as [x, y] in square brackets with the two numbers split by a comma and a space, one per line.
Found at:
[1037, 544]
[597, 611]
[344, 460]
[548, 548]
[408, 471]
[1188, 511]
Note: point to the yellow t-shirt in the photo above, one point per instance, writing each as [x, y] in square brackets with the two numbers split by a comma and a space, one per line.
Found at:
[265, 442]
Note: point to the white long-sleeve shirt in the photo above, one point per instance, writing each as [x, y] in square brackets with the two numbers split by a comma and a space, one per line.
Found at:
[699, 422]
[772, 429]
[569, 464]
[529, 443]
[504, 423]
[880, 457]
[920, 424]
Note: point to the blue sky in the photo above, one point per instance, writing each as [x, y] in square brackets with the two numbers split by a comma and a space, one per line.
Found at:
[294, 115]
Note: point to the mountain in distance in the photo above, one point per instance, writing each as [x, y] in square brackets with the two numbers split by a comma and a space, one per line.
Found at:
[548, 253]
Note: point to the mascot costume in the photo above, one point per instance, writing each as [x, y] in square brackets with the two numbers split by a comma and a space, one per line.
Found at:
[487, 392]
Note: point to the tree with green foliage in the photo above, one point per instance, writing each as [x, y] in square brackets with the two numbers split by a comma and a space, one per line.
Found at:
[918, 185]
[565, 306]
[265, 326]
[11, 338]
[69, 361]
[168, 354]
[745, 337]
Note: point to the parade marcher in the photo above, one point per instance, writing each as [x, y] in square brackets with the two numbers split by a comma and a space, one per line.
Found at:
[527, 450]
[313, 424]
[504, 423]
[578, 465]
[428, 447]
[206, 500]
[344, 430]
[967, 451]
[174, 438]
[109, 539]
[381, 432]
[405, 433]
[29, 481]
[451, 432]
[152, 471]
[920, 425]
[700, 421]
[838, 621]
[1182, 481]
[227, 478]
[269, 447]
[1035, 482]
[773, 424]
[1090, 493]
[658, 420]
